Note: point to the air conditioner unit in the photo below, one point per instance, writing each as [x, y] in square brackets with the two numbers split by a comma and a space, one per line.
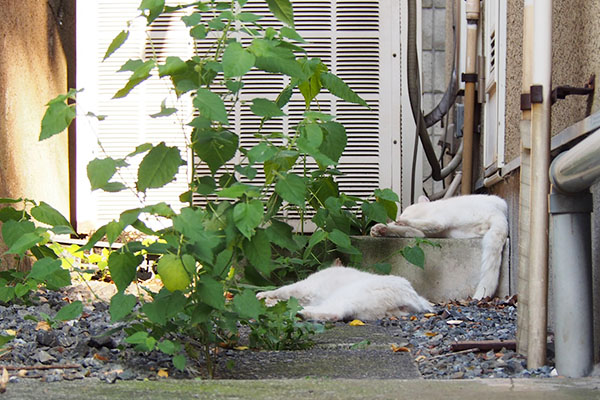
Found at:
[360, 41]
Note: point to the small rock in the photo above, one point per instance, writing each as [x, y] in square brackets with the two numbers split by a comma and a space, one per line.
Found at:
[46, 338]
[44, 357]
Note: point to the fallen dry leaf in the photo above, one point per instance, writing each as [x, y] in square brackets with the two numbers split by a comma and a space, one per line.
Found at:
[162, 373]
[43, 326]
[11, 332]
[100, 357]
[356, 322]
[454, 322]
[431, 334]
[420, 358]
[413, 318]
[241, 348]
[400, 349]
[4, 380]
[22, 373]
[429, 315]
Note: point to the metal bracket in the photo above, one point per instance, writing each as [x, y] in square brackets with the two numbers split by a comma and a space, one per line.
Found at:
[561, 92]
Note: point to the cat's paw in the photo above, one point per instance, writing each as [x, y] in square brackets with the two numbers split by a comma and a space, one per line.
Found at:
[270, 299]
[379, 230]
[310, 313]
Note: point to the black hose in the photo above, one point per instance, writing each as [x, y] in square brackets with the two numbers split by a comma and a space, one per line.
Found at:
[414, 91]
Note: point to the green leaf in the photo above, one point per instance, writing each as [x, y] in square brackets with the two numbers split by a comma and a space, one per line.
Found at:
[281, 234]
[265, 108]
[414, 255]
[5, 339]
[140, 74]
[291, 34]
[51, 272]
[247, 216]
[214, 147]
[169, 347]
[339, 88]
[388, 199]
[210, 106]
[165, 306]
[24, 243]
[172, 66]
[211, 292]
[291, 188]
[374, 212]
[236, 60]
[199, 32]
[321, 189]
[49, 215]
[258, 251]
[383, 268]
[222, 263]
[13, 230]
[123, 267]
[158, 167]
[247, 305]
[113, 230]
[151, 9]
[116, 43]
[312, 86]
[179, 362]
[334, 140]
[121, 305]
[57, 118]
[339, 238]
[190, 222]
[386, 194]
[69, 312]
[282, 10]
[101, 171]
[142, 340]
[10, 213]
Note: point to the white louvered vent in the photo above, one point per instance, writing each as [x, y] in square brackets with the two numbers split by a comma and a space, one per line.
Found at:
[355, 39]
[494, 35]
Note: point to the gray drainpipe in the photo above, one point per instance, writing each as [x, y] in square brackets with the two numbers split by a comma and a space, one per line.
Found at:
[571, 175]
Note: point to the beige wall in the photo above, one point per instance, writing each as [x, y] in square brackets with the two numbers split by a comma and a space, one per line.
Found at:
[36, 40]
[575, 57]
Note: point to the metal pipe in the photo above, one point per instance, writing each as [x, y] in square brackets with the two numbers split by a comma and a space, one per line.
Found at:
[469, 98]
[572, 277]
[540, 161]
[576, 169]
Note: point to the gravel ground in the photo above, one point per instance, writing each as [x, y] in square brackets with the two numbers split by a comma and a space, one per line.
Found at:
[80, 349]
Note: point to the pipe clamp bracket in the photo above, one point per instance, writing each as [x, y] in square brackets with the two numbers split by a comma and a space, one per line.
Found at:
[578, 203]
[468, 77]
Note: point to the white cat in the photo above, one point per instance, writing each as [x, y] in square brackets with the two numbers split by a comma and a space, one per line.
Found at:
[341, 293]
[459, 217]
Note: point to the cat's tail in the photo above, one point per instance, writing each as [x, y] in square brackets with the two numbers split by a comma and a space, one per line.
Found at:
[491, 257]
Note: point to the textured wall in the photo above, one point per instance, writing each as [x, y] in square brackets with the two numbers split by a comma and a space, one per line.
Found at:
[33, 69]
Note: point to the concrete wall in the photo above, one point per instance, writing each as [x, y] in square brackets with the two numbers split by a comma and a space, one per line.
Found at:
[37, 43]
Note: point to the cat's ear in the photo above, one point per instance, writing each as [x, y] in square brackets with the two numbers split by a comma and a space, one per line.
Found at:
[423, 199]
[337, 263]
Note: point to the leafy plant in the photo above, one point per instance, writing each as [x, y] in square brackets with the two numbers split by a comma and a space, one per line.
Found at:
[215, 253]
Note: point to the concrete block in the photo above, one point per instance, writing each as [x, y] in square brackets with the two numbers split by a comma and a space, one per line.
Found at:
[428, 71]
[439, 29]
[451, 270]
[427, 30]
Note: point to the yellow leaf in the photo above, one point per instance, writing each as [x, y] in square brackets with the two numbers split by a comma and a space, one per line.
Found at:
[400, 349]
[11, 332]
[431, 334]
[163, 373]
[43, 326]
[241, 348]
[429, 315]
[356, 322]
